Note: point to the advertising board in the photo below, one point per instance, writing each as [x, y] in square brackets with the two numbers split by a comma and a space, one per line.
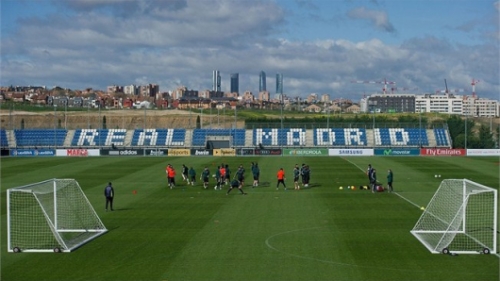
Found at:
[483, 152]
[179, 152]
[305, 152]
[244, 151]
[156, 152]
[396, 152]
[271, 152]
[225, 152]
[80, 152]
[350, 152]
[32, 152]
[122, 152]
[442, 152]
[201, 152]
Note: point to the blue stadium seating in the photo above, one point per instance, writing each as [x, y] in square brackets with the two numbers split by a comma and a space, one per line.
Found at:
[160, 137]
[279, 137]
[3, 138]
[400, 137]
[40, 137]
[99, 137]
[441, 137]
[340, 137]
[200, 136]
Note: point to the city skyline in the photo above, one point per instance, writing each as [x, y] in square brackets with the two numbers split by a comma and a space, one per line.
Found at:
[319, 46]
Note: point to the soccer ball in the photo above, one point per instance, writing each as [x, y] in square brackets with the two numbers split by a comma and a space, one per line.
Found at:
[341, 188]
[213, 176]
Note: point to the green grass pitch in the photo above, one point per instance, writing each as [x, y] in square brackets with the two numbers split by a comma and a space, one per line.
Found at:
[189, 233]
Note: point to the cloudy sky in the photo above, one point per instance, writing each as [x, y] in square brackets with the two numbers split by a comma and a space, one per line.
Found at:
[320, 46]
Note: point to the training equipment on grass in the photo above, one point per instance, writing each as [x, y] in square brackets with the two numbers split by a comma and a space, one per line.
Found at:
[53, 215]
[461, 218]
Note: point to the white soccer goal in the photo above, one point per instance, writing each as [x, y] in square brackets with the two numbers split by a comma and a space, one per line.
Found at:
[53, 215]
[461, 218]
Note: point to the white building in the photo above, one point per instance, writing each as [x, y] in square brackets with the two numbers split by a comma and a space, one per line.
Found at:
[325, 98]
[473, 106]
[447, 103]
[363, 104]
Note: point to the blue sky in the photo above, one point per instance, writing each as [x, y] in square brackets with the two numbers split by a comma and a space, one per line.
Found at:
[320, 46]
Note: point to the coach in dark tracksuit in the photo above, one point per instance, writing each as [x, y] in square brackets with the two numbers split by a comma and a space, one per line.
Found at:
[373, 180]
[109, 193]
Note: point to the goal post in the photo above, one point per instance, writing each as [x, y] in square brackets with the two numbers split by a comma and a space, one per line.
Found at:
[52, 215]
[461, 218]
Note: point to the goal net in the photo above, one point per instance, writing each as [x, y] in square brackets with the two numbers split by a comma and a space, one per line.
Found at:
[53, 215]
[460, 218]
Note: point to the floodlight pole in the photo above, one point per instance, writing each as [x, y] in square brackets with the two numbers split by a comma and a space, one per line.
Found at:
[328, 117]
[88, 114]
[218, 117]
[100, 123]
[281, 139]
[65, 113]
[201, 117]
[465, 143]
[420, 125]
[55, 125]
[144, 130]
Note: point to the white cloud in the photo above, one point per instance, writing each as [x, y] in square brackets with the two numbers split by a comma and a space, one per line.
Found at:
[377, 18]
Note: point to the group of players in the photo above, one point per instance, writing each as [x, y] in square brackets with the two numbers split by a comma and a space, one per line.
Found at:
[222, 176]
[372, 177]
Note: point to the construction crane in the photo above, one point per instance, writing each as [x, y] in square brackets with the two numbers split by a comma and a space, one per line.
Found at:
[446, 91]
[385, 82]
[473, 83]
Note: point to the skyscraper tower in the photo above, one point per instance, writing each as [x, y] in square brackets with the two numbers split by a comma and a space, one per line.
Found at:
[216, 81]
[262, 81]
[235, 84]
[279, 85]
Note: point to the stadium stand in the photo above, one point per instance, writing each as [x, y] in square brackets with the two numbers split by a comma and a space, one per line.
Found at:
[159, 137]
[4, 142]
[99, 137]
[40, 137]
[279, 137]
[340, 137]
[400, 137]
[200, 136]
[441, 137]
